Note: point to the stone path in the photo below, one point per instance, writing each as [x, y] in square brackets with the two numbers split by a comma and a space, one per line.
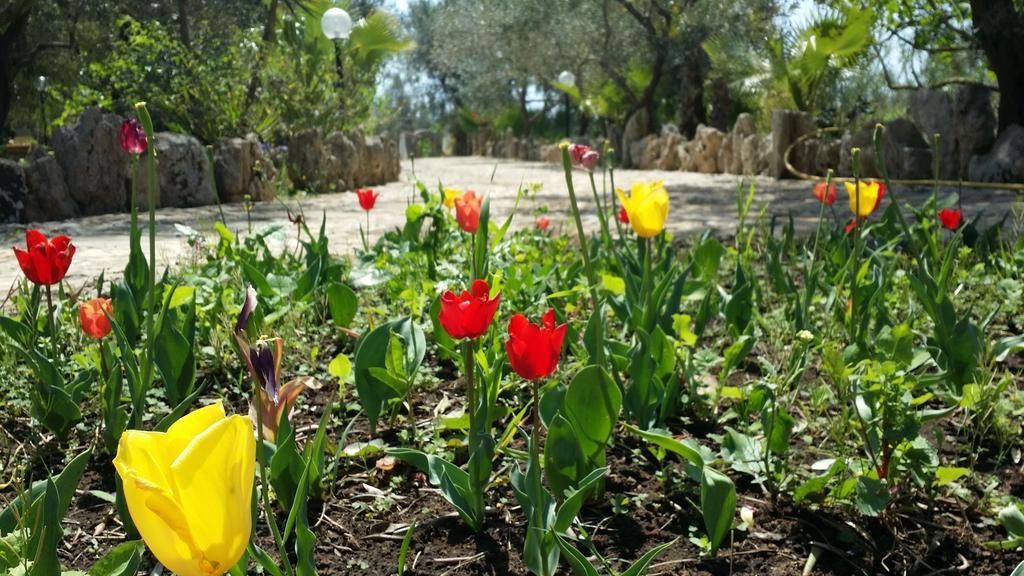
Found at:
[699, 202]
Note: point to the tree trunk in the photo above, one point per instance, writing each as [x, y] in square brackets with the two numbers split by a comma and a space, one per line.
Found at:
[13, 19]
[999, 27]
[269, 28]
[692, 111]
[183, 31]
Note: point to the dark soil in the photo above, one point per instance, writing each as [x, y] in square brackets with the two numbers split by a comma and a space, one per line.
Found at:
[365, 514]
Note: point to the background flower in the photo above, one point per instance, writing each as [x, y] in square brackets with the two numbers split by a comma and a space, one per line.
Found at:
[45, 262]
[533, 350]
[647, 207]
[469, 314]
[93, 316]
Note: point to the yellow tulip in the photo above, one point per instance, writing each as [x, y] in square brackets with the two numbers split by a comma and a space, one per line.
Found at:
[647, 207]
[189, 490]
[450, 194]
[870, 193]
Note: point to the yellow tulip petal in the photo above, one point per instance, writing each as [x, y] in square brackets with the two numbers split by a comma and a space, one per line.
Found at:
[145, 493]
[213, 482]
[189, 426]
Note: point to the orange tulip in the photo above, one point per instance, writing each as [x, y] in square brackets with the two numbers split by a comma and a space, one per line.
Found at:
[93, 315]
[467, 212]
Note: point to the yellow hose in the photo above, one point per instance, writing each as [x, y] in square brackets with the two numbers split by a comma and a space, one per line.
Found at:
[1019, 187]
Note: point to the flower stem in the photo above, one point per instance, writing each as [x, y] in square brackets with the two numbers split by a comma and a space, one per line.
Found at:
[591, 274]
[268, 509]
[476, 490]
[602, 216]
[50, 322]
[537, 518]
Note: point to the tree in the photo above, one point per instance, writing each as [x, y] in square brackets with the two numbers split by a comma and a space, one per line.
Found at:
[999, 25]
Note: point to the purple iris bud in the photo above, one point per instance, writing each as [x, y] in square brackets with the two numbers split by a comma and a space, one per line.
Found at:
[264, 367]
[247, 308]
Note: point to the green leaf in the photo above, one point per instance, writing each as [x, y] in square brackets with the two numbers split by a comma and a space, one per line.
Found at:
[575, 499]
[872, 496]
[343, 303]
[577, 561]
[663, 439]
[717, 505]
[614, 284]
[1012, 519]
[66, 483]
[564, 462]
[403, 552]
[945, 475]
[681, 326]
[707, 258]
[340, 367]
[639, 568]
[372, 353]
[182, 295]
[45, 536]
[592, 404]
[452, 480]
[175, 357]
[123, 560]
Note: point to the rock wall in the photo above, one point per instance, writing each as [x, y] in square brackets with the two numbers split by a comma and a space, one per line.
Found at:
[88, 173]
[339, 161]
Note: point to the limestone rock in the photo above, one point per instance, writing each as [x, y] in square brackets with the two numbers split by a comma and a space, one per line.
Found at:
[932, 112]
[906, 151]
[646, 152]
[706, 144]
[12, 192]
[241, 168]
[48, 197]
[636, 128]
[95, 167]
[183, 173]
[787, 127]
[670, 151]
[343, 161]
[1005, 163]
[975, 121]
[551, 153]
[307, 158]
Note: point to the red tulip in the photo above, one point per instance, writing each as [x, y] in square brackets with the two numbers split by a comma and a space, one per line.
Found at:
[367, 198]
[468, 315]
[623, 215]
[584, 156]
[543, 223]
[45, 262]
[828, 196]
[93, 315]
[133, 137]
[533, 351]
[467, 212]
[951, 218]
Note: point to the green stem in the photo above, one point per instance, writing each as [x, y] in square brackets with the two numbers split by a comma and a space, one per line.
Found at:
[477, 491]
[855, 260]
[268, 509]
[648, 315]
[602, 215]
[148, 371]
[591, 273]
[537, 519]
[51, 323]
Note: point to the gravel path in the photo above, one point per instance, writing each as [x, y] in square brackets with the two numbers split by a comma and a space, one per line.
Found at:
[699, 201]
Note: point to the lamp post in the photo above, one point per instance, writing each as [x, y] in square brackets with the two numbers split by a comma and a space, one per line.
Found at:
[41, 83]
[569, 79]
[336, 25]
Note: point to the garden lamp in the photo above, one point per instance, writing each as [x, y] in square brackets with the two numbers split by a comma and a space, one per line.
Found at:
[41, 83]
[569, 79]
[336, 25]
